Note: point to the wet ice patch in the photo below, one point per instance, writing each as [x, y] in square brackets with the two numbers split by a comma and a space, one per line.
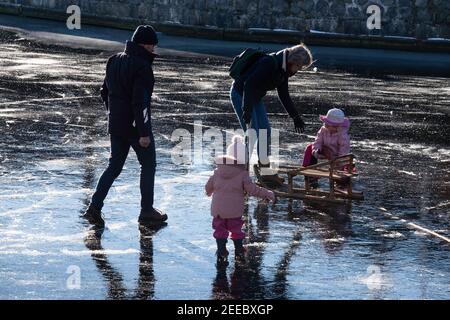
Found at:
[416, 149]
[13, 246]
[409, 173]
[69, 252]
[420, 233]
[16, 240]
[30, 282]
[6, 111]
[43, 237]
[118, 225]
[394, 235]
[28, 76]
[441, 205]
[256, 245]
[205, 85]
[182, 252]
[121, 189]
[58, 164]
[28, 252]
[335, 240]
[201, 243]
[37, 61]
[443, 154]
[27, 209]
[19, 195]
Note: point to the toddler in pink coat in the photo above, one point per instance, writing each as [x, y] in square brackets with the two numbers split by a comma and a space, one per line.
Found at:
[227, 186]
[331, 141]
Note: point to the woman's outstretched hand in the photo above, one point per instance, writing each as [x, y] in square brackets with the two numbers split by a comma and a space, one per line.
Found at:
[299, 124]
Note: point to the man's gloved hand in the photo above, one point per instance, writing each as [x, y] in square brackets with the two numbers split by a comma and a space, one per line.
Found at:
[299, 124]
[247, 117]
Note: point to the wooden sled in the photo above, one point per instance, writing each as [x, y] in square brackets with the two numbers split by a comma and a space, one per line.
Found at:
[331, 170]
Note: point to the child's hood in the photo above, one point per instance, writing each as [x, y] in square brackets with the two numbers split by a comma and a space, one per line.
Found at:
[228, 171]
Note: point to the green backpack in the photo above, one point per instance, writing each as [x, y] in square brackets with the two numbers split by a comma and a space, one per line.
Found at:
[244, 61]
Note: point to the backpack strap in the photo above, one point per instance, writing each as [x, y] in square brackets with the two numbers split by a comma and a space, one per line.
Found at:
[274, 59]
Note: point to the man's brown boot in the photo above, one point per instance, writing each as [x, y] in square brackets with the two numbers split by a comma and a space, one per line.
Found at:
[152, 217]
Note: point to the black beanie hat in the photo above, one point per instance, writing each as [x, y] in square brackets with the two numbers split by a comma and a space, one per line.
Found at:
[145, 35]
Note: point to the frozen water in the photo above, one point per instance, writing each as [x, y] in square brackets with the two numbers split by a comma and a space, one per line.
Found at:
[53, 148]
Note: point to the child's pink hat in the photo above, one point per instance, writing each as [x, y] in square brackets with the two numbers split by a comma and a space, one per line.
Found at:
[335, 117]
[236, 152]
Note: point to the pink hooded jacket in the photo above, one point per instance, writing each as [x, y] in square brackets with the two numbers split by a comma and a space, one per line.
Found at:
[338, 142]
[227, 186]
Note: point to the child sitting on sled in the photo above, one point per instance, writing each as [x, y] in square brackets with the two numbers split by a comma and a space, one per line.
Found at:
[228, 185]
[332, 141]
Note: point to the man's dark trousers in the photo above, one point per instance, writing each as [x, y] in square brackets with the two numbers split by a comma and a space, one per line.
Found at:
[119, 151]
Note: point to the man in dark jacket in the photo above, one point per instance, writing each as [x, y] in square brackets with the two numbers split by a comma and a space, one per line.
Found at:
[127, 92]
[268, 73]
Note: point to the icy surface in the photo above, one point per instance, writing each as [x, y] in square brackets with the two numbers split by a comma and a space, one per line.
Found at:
[53, 147]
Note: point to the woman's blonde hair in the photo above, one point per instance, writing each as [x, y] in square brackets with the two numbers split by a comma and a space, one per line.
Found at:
[300, 55]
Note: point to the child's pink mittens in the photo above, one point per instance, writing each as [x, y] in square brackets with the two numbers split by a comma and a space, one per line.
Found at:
[275, 199]
[208, 191]
[209, 187]
[271, 196]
